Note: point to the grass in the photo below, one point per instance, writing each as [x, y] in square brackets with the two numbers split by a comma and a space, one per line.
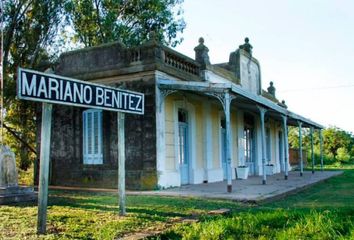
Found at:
[324, 211]
[82, 215]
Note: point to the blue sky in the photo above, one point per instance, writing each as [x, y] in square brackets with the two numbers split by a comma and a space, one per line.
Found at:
[306, 47]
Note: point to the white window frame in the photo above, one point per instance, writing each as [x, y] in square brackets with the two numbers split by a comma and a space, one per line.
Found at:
[88, 117]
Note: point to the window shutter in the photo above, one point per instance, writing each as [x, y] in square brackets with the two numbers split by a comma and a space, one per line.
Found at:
[92, 137]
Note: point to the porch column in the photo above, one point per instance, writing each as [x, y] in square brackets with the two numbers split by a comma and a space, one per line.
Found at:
[300, 149]
[227, 101]
[262, 113]
[286, 146]
[161, 94]
[312, 152]
[321, 149]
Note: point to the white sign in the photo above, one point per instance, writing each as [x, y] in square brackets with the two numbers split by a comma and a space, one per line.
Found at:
[43, 87]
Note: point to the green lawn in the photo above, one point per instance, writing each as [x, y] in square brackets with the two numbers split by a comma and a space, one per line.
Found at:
[324, 211]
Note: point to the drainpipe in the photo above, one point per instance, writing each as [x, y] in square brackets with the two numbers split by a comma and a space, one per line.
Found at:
[286, 146]
[262, 113]
[312, 152]
[321, 149]
[300, 149]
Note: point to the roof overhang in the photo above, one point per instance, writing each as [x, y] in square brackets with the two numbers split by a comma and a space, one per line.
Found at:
[246, 98]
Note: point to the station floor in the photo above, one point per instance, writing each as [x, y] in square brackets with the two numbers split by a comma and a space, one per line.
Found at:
[250, 190]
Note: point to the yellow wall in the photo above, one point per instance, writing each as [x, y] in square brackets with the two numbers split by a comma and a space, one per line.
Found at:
[169, 134]
[215, 110]
[199, 132]
[234, 144]
[275, 142]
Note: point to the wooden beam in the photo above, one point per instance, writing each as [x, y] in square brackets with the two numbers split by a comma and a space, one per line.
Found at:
[44, 168]
[121, 162]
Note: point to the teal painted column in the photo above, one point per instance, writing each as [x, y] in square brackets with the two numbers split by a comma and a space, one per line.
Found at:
[227, 101]
[262, 113]
[312, 151]
[300, 149]
[321, 149]
[286, 147]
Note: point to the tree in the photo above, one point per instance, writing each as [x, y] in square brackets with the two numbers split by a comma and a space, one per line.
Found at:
[127, 21]
[30, 26]
[338, 145]
[35, 35]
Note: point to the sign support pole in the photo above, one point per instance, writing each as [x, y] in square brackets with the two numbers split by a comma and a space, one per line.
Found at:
[44, 167]
[121, 162]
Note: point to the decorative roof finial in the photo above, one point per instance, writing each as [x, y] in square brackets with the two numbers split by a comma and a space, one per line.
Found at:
[283, 104]
[246, 46]
[152, 36]
[201, 53]
[271, 89]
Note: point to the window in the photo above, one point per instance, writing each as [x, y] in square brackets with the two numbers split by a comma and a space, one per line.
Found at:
[182, 116]
[247, 144]
[92, 137]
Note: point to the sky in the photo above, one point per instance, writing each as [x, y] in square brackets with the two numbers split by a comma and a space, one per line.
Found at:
[306, 47]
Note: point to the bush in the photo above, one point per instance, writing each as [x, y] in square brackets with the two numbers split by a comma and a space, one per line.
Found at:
[342, 155]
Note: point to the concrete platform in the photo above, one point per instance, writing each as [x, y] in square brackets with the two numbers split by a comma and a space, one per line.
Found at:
[17, 194]
[250, 190]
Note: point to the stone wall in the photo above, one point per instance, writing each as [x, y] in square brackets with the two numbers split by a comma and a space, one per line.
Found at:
[67, 168]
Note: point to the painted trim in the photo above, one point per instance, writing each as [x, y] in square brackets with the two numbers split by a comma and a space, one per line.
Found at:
[163, 179]
[237, 89]
[93, 158]
[208, 140]
[184, 104]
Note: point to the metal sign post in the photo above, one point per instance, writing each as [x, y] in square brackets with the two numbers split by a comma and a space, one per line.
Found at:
[49, 89]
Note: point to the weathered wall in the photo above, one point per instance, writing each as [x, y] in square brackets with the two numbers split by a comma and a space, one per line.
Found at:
[215, 110]
[234, 139]
[199, 164]
[170, 134]
[67, 166]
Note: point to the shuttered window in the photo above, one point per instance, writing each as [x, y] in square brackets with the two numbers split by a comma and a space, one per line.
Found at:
[92, 137]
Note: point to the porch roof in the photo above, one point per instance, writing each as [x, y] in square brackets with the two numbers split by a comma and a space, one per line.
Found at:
[247, 99]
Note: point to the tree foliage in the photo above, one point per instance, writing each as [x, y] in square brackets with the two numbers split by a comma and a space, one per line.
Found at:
[30, 27]
[36, 32]
[338, 145]
[127, 21]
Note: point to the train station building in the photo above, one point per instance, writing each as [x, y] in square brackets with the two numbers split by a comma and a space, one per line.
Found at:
[202, 123]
